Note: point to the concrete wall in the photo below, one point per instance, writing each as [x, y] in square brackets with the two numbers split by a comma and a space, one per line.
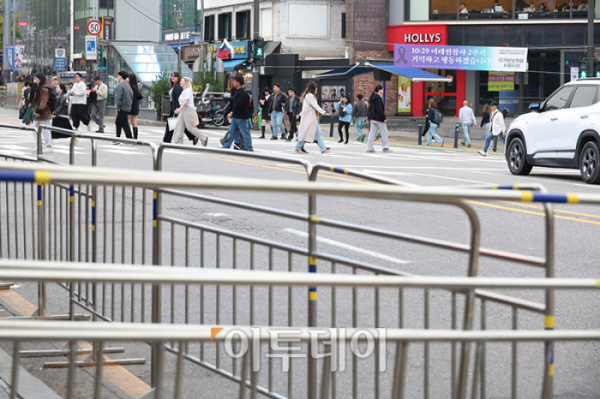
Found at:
[131, 25]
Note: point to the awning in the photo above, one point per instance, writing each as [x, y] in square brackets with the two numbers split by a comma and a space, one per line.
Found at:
[272, 47]
[233, 65]
[416, 75]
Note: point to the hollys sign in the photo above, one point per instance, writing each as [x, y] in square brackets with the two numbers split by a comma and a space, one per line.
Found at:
[417, 35]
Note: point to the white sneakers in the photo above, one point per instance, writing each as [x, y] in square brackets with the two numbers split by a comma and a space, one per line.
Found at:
[482, 153]
[48, 150]
[89, 127]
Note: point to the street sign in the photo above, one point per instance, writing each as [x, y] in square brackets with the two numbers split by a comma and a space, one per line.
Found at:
[60, 57]
[90, 48]
[94, 27]
[60, 38]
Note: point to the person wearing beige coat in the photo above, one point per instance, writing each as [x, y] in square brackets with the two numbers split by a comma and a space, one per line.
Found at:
[309, 128]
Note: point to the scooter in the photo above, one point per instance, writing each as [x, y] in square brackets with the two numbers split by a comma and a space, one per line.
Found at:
[208, 114]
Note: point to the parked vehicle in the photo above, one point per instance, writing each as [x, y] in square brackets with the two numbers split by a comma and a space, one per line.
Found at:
[561, 132]
[208, 113]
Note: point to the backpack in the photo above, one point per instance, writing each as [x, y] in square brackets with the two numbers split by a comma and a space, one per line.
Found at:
[505, 113]
[438, 118]
[52, 101]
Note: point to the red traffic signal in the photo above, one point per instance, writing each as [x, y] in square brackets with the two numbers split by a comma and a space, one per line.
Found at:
[22, 23]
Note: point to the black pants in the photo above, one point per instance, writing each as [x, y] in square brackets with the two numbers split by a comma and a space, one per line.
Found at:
[293, 122]
[169, 134]
[79, 113]
[123, 123]
[346, 126]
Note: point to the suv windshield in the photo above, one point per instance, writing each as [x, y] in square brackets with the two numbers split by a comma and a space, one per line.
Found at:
[559, 99]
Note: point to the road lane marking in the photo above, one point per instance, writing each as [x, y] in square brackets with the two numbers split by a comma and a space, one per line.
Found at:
[554, 209]
[348, 247]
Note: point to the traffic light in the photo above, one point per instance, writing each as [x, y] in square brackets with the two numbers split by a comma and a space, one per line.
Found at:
[258, 48]
[596, 69]
[583, 69]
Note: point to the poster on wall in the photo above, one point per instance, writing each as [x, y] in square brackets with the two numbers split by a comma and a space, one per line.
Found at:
[325, 92]
[468, 58]
[19, 54]
[404, 94]
[501, 81]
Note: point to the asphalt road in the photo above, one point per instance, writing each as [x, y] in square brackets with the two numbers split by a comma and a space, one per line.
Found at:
[512, 227]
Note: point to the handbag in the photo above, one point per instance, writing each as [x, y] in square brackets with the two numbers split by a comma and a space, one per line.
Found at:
[172, 123]
[22, 111]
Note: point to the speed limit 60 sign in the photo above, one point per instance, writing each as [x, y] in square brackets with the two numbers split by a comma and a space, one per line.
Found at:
[94, 27]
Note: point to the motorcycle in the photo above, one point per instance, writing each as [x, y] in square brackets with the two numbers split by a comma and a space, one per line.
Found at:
[209, 114]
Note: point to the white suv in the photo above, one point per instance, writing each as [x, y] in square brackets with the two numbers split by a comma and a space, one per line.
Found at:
[562, 132]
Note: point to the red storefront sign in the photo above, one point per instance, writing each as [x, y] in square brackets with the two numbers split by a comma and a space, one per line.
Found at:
[416, 34]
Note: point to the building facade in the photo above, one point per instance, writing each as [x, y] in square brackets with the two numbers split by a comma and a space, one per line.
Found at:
[555, 38]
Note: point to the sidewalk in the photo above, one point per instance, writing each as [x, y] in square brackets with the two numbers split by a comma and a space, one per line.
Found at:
[397, 138]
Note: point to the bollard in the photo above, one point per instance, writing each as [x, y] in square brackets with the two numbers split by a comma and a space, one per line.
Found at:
[331, 126]
[420, 139]
[456, 136]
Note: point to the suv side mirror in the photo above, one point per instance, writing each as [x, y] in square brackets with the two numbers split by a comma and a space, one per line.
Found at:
[535, 107]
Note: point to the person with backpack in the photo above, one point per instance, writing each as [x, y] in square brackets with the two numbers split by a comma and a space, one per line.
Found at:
[241, 113]
[434, 117]
[79, 107]
[377, 120]
[43, 106]
[498, 128]
[467, 120]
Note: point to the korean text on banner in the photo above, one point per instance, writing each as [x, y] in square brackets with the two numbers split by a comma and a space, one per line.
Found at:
[404, 94]
[507, 59]
[501, 81]
[9, 56]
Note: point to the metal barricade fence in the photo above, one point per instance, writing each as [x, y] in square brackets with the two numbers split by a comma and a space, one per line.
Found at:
[251, 353]
[94, 177]
[82, 200]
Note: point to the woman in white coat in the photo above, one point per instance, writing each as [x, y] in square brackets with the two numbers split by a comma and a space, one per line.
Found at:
[309, 120]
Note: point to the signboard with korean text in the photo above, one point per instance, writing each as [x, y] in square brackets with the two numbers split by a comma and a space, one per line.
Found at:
[507, 59]
[9, 56]
[59, 38]
[60, 56]
[240, 49]
[90, 48]
[107, 28]
[501, 81]
[404, 94]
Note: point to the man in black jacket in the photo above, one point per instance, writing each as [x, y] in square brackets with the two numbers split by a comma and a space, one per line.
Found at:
[240, 113]
[377, 120]
[294, 107]
[276, 108]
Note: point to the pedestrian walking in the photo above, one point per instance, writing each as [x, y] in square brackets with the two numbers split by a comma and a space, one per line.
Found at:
[467, 120]
[241, 113]
[187, 114]
[61, 113]
[79, 110]
[265, 105]
[123, 101]
[28, 104]
[498, 128]
[359, 112]
[433, 124]
[309, 127]
[174, 94]
[54, 85]
[485, 120]
[294, 107]
[42, 105]
[344, 109]
[238, 143]
[135, 105]
[276, 108]
[99, 107]
[377, 120]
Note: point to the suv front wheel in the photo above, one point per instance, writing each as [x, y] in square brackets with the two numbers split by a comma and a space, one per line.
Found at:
[516, 158]
[589, 163]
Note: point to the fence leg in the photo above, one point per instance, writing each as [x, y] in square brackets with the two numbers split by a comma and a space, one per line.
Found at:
[42, 309]
[420, 138]
[456, 136]
[312, 294]
[548, 389]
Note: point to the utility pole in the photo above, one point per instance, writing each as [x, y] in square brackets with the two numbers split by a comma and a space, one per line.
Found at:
[14, 12]
[72, 44]
[202, 39]
[178, 18]
[255, 70]
[6, 39]
[590, 41]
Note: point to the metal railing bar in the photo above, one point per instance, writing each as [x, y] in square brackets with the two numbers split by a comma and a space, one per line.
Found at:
[34, 330]
[77, 271]
[511, 301]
